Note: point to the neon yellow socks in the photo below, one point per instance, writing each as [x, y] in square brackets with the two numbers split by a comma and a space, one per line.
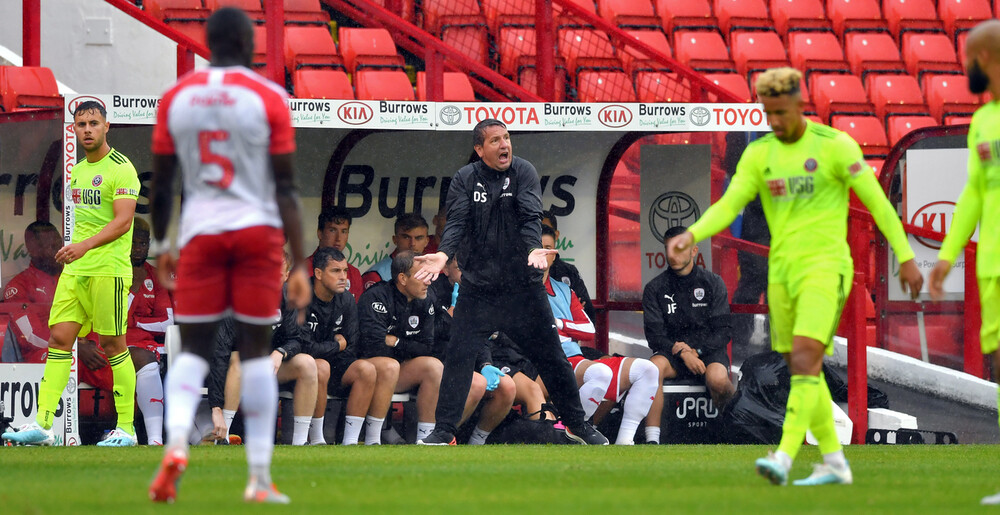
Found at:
[54, 380]
[802, 400]
[123, 373]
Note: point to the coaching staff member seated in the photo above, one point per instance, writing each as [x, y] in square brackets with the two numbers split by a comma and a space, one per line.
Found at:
[494, 226]
[687, 324]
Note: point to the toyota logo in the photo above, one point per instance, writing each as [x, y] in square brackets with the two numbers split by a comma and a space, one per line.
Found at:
[700, 116]
[450, 115]
[672, 209]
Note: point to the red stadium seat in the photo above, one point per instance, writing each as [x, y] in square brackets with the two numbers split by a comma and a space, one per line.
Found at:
[437, 13]
[742, 14]
[949, 95]
[929, 53]
[586, 48]
[364, 47]
[310, 46]
[604, 86]
[167, 10]
[960, 47]
[253, 8]
[867, 131]
[457, 87]
[793, 15]
[374, 84]
[732, 82]
[527, 77]
[754, 51]
[471, 40]
[957, 120]
[501, 13]
[703, 51]
[460, 24]
[900, 126]
[28, 87]
[305, 12]
[514, 43]
[816, 52]
[686, 14]
[896, 94]
[322, 83]
[962, 15]
[839, 94]
[855, 15]
[629, 14]
[655, 87]
[907, 15]
[634, 59]
[872, 52]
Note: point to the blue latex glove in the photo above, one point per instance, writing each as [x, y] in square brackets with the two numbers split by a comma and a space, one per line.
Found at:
[492, 375]
[454, 294]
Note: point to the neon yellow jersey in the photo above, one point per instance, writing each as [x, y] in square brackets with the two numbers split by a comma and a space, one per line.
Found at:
[95, 187]
[804, 190]
[980, 199]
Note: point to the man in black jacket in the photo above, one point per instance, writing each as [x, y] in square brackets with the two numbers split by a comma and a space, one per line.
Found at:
[494, 227]
[397, 326]
[567, 273]
[687, 324]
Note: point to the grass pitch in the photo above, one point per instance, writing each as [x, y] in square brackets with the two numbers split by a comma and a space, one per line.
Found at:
[501, 479]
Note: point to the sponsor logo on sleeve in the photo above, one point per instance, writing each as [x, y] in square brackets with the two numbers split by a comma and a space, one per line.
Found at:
[379, 307]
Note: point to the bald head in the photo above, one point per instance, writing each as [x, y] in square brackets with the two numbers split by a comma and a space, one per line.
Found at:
[982, 52]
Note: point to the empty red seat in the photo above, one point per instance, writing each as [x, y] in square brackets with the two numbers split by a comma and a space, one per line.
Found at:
[872, 52]
[949, 95]
[604, 86]
[962, 15]
[374, 84]
[900, 126]
[907, 15]
[253, 8]
[166, 10]
[305, 12]
[633, 58]
[957, 120]
[629, 13]
[686, 14]
[512, 44]
[439, 12]
[310, 46]
[527, 77]
[960, 47]
[855, 15]
[655, 87]
[867, 131]
[586, 48]
[500, 13]
[321, 83]
[28, 87]
[469, 39]
[703, 51]
[365, 47]
[814, 52]
[789, 15]
[732, 82]
[457, 87]
[929, 53]
[754, 51]
[742, 14]
[839, 94]
[896, 94]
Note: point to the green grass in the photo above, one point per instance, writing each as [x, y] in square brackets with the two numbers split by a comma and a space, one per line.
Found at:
[501, 480]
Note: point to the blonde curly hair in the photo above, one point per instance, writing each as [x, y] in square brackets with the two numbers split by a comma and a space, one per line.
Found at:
[778, 81]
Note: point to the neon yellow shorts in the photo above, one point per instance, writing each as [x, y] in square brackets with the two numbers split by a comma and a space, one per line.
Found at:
[989, 304]
[96, 303]
[809, 307]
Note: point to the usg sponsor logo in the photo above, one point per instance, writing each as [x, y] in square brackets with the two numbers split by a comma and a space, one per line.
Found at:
[450, 115]
[614, 116]
[700, 116]
[355, 113]
[72, 104]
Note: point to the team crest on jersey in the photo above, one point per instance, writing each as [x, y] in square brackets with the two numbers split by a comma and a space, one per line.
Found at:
[339, 320]
[565, 280]
[699, 293]
[430, 310]
[810, 165]
[414, 321]
[506, 182]
[148, 283]
[97, 180]
[379, 307]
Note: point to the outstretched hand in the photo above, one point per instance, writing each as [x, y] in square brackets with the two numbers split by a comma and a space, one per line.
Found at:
[679, 244]
[938, 274]
[430, 266]
[910, 278]
[537, 258]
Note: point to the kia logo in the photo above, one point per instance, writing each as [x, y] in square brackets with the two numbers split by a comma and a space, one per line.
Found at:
[614, 116]
[934, 216]
[355, 113]
[72, 104]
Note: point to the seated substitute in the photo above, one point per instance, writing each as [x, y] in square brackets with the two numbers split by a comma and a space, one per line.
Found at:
[500, 388]
[333, 230]
[409, 233]
[566, 272]
[397, 324]
[34, 285]
[605, 379]
[687, 324]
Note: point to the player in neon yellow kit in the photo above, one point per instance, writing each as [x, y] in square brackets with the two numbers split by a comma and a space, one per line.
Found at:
[92, 292]
[803, 172]
[980, 199]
